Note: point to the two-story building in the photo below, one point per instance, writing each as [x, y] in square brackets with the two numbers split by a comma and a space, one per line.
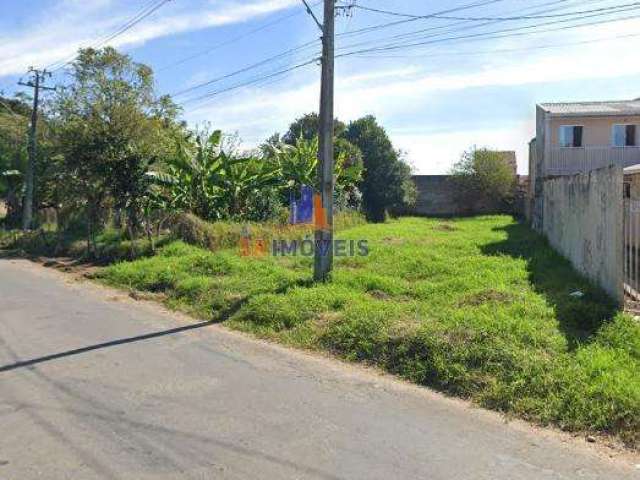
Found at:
[580, 137]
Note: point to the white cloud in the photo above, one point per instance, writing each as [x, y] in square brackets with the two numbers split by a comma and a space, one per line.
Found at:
[395, 94]
[73, 23]
[434, 154]
[402, 88]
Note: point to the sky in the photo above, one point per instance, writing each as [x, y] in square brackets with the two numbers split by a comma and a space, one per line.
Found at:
[439, 86]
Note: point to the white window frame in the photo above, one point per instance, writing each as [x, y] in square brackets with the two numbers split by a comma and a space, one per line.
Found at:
[572, 127]
[624, 125]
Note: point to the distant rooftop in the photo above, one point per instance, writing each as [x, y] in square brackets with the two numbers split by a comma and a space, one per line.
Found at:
[617, 107]
[632, 169]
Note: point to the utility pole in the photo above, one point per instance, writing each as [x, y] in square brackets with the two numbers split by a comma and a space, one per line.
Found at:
[323, 256]
[27, 204]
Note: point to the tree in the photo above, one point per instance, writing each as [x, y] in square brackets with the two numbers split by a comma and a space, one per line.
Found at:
[484, 175]
[14, 120]
[297, 165]
[111, 127]
[306, 127]
[386, 184]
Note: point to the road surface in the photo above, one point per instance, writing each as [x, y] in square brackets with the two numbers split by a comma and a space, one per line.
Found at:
[94, 385]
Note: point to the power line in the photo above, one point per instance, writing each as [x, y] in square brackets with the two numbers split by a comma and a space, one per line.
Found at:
[233, 39]
[257, 80]
[490, 35]
[400, 22]
[133, 23]
[416, 34]
[517, 31]
[505, 50]
[467, 25]
[312, 15]
[250, 82]
[245, 69]
[144, 13]
[501, 19]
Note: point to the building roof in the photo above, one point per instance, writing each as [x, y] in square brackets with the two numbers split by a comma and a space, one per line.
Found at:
[632, 169]
[617, 107]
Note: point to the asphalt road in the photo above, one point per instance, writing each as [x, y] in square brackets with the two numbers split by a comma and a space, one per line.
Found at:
[93, 385]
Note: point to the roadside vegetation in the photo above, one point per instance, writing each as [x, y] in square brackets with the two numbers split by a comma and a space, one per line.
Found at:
[479, 308]
[113, 153]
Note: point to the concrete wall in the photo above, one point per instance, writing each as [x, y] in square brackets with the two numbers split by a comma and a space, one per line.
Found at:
[542, 144]
[530, 196]
[583, 217]
[438, 196]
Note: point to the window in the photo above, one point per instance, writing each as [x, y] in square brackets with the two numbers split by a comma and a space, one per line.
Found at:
[626, 190]
[571, 135]
[623, 136]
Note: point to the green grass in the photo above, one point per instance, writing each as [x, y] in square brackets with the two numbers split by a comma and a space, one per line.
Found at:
[477, 307]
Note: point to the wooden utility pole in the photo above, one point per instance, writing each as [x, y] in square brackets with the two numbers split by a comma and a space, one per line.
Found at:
[27, 203]
[323, 256]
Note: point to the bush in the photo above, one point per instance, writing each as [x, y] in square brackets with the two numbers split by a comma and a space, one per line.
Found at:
[220, 235]
[485, 176]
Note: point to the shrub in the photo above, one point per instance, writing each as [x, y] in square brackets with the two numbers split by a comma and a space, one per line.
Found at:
[484, 175]
[219, 235]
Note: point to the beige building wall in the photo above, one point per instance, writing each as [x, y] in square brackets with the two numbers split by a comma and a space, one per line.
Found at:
[597, 130]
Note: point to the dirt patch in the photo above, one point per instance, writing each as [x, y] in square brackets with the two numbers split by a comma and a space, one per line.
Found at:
[68, 265]
[379, 294]
[149, 296]
[323, 322]
[485, 296]
[445, 227]
[393, 241]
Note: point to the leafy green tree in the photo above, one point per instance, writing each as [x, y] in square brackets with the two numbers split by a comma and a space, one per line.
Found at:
[306, 127]
[111, 127]
[14, 121]
[485, 175]
[386, 184]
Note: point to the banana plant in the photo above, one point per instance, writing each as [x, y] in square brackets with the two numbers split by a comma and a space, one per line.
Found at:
[299, 165]
[204, 179]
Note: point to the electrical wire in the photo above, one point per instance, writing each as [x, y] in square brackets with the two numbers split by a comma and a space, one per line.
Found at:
[234, 39]
[245, 69]
[251, 82]
[492, 18]
[512, 32]
[414, 37]
[149, 9]
[505, 50]
[400, 22]
[290, 51]
[466, 25]
[462, 25]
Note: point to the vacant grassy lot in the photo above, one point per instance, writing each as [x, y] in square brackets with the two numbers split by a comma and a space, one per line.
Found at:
[479, 308]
